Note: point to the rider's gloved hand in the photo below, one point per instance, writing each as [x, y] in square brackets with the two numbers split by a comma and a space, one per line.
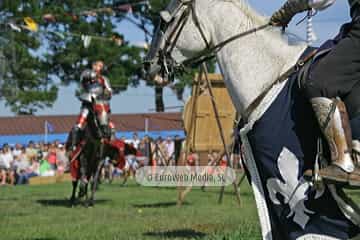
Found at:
[279, 19]
[283, 16]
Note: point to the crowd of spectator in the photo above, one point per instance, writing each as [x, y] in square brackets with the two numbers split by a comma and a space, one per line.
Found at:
[19, 163]
[152, 152]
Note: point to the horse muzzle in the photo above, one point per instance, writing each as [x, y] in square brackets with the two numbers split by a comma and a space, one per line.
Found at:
[154, 72]
[151, 69]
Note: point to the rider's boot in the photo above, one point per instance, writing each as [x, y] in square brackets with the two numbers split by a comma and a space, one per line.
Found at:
[354, 178]
[334, 123]
[75, 137]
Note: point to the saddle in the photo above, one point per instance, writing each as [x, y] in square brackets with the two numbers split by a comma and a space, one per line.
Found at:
[316, 54]
[312, 56]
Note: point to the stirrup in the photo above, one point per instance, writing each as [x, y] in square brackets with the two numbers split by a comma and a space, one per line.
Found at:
[313, 176]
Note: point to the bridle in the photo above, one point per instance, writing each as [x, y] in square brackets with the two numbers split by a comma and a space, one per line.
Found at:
[167, 62]
[165, 55]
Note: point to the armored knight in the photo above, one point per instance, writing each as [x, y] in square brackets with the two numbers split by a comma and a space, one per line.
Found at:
[335, 77]
[95, 96]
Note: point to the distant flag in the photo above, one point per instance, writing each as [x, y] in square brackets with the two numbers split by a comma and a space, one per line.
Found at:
[90, 13]
[15, 27]
[49, 127]
[30, 24]
[86, 40]
[73, 16]
[49, 17]
[125, 8]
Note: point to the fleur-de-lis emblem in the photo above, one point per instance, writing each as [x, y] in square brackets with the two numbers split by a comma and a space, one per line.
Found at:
[293, 190]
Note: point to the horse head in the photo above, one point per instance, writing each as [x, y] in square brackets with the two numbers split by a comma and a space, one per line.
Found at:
[190, 31]
[100, 119]
[180, 36]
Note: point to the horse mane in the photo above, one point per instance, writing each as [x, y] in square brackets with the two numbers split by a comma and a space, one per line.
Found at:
[253, 15]
[254, 18]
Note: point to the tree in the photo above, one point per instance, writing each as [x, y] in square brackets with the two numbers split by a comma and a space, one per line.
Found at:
[148, 13]
[24, 83]
[123, 61]
[37, 62]
[33, 64]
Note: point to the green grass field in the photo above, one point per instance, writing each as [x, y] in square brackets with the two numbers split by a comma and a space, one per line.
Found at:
[131, 212]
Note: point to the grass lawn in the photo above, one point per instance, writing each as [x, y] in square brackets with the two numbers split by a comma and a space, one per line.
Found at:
[131, 212]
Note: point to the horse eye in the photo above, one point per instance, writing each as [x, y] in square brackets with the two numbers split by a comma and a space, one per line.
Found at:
[163, 26]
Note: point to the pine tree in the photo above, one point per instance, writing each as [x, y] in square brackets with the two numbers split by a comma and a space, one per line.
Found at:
[34, 64]
[37, 62]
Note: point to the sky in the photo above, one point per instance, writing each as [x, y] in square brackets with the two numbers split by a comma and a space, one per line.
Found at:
[141, 99]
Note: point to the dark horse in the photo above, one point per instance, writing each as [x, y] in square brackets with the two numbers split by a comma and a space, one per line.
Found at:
[88, 157]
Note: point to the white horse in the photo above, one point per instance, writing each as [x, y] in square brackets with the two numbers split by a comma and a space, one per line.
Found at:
[278, 148]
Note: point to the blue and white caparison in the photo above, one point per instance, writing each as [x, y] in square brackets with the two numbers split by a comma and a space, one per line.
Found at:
[280, 138]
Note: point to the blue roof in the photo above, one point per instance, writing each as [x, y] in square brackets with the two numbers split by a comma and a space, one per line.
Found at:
[25, 139]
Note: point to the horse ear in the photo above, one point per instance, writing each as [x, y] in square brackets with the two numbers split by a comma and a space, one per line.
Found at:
[171, 11]
[166, 16]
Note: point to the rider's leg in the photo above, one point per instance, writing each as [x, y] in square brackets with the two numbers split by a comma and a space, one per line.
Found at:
[335, 76]
[77, 129]
[334, 123]
[79, 126]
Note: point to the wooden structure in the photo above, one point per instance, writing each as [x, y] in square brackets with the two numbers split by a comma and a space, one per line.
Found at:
[202, 131]
[209, 121]
[50, 180]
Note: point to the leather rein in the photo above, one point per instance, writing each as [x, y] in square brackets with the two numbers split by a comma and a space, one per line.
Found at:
[211, 51]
